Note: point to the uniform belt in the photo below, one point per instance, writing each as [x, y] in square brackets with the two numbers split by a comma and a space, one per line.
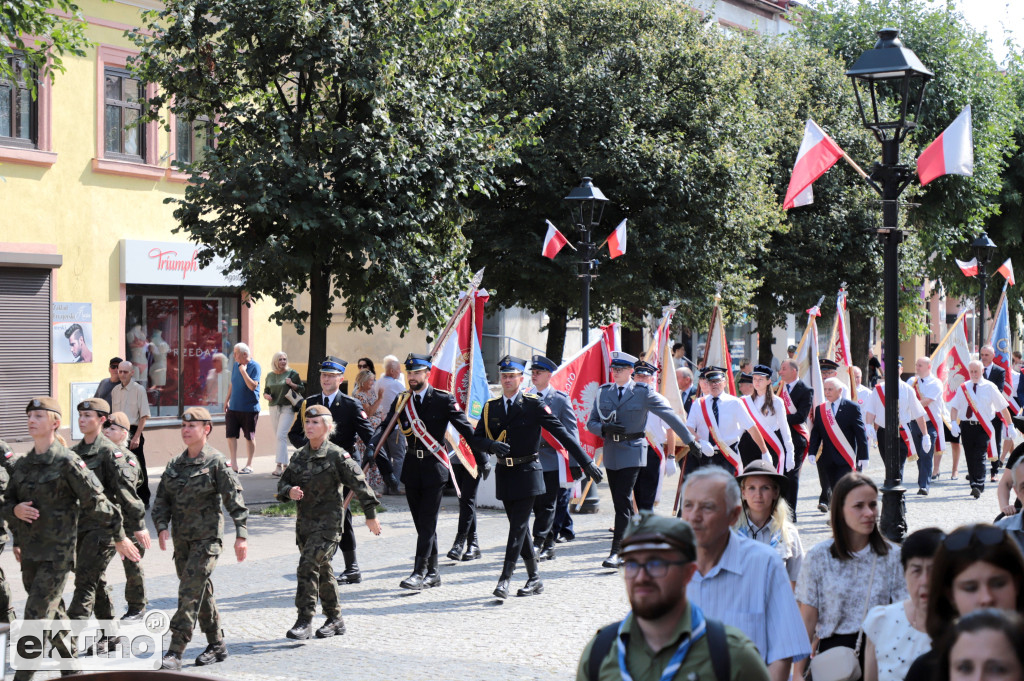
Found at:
[509, 461]
[624, 437]
[731, 445]
[973, 422]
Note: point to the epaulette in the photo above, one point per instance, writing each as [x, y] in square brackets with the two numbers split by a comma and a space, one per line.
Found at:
[562, 393]
[443, 392]
[607, 385]
[532, 396]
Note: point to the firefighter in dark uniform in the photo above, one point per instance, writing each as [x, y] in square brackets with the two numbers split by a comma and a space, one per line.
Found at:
[350, 420]
[516, 419]
[424, 414]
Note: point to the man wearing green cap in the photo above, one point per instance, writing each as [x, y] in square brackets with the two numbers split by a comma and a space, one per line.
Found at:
[664, 636]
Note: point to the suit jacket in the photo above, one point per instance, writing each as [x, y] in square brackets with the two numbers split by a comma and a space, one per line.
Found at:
[850, 421]
[998, 376]
[802, 397]
[522, 426]
[687, 397]
[559, 404]
[631, 413]
[422, 469]
[349, 418]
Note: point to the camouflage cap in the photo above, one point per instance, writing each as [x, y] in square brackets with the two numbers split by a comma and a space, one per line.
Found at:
[95, 404]
[197, 414]
[317, 410]
[44, 403]
[120, 419]
[649, 532]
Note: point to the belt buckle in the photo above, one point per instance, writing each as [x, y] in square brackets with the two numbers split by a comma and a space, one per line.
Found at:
[509, 462]
[419, 453]
[616, 437]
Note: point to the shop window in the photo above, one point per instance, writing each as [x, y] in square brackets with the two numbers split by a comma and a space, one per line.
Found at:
[179, 339]
[18, 110]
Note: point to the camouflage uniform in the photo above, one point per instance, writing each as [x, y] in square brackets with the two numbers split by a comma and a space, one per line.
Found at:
[320, 474]
[62, 488]
[95, 543]
[135, 576]
[189, 500]
[7, 613]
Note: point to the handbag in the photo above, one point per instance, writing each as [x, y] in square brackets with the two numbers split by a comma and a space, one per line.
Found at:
[293, 397]
[842, 663]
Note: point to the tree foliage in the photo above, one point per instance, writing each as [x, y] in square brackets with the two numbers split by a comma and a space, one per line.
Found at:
[52, 36]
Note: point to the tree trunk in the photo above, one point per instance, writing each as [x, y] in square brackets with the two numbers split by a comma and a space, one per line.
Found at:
[860, 327]
[558, 321]
[765, 338]
[319, 311]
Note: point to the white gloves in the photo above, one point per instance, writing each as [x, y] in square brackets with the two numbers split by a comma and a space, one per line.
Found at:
[767, 458]
[810, 457]
[670, 466]
[954, 429]
[705, 448]
[926, 443]
[790, 461]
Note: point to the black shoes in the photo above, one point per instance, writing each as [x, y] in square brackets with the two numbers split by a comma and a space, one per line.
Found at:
[334, 626]
[458, 548]
[215, 652]
[975, 492]
[614, 560]
[546, 551]
[473, 548]
[301, 630]
[351, 574]
[533, 584]
[501, 591]
[922, 491]
[433, 578]
[171, 661]
[414, 582]
[823, 507]
[133, 615]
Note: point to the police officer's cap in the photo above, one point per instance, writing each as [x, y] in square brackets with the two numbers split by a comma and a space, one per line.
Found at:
[543, 363]
[762, 467]
[649, 532]
[623, 359]
[828, 364]
[417, 362]
[197, 414]
[712, 374]
[333, 365]
[762, 370]
[511, 365]
[745, 378]
[44, 403]
[644, 368]
[317, 410]
[95, 404]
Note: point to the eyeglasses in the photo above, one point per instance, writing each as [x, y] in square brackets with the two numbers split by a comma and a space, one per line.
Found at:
[986, 535]
[655, 568]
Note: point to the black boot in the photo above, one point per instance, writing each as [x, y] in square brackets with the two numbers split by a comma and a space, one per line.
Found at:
[547, 549]
[415, 580]
[433, 578]
[613, 560]
[334, 626]
[501, 591]
[215, 652]
[473, 549]
[458, 548]
[533, 584]
[351, 575]
[301, 630]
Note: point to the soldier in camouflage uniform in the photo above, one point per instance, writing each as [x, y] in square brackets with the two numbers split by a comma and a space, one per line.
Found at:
[189, 499]
[49, 490]
[95, 543]
[314, 479]
[117, 429]
[7, 613]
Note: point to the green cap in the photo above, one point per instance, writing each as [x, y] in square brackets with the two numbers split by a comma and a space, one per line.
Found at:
[649, 532]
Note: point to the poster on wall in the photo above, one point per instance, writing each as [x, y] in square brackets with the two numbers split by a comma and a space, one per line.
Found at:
[72, 333]
[80, 392]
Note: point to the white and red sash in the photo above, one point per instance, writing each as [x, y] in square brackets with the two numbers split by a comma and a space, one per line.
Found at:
[565, 478]
[985, 424]
[835, 434]
[936, 422]
[767, 433]
[904, 435]
[725, 449]
[787, 399]
[435, 447]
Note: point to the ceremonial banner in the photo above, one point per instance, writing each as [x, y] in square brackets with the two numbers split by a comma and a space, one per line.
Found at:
[952, 153]
[950, 359]
[612, 334]
[839, 346]
[807, 359]
[1000, 341]
[660, 355]
[716, 350]
[581, 377]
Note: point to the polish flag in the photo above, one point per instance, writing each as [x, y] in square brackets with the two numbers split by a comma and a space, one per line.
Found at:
[818, 152]
[969, 268]
[617, 241]
[554, 241]
[952, 153]
[1006, 269]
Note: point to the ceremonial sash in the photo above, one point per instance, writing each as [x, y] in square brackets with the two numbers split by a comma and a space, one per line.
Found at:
[768, 434]
[420, 430]
[725, 450]
[982, 421]
[565, 478]
[904, 435]
[835, 434]
[939, 440]
[791, 409]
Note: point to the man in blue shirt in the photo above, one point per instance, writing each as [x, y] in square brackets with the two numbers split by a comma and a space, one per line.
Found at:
[242, 406]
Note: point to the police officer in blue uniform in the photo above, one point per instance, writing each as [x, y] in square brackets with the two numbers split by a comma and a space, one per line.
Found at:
[619, 416]
[516, 418]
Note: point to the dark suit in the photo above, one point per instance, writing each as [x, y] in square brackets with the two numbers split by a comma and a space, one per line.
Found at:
[851, 422]
[544, 507]
[687, 397]
[519, 484]
[802, 397]
[995, 373]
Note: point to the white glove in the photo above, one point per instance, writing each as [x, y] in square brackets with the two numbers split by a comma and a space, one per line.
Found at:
[810, 457]
[926, 442]
[767, 458]
[670, 466]
[954, 429]
[705, 448]
[860, 465]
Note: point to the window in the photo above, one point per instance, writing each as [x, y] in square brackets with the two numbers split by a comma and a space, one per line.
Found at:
[191, 140]
[18, 110]
[123, 137]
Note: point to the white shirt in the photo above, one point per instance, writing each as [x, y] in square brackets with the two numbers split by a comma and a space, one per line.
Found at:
[930, 389]
[733, 418]
[910, 406]
[773, 424]
[988, 397]
[330, 398]
[657, 428]
[389, 388]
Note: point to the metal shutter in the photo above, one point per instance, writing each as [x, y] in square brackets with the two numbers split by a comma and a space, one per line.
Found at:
[24, 345]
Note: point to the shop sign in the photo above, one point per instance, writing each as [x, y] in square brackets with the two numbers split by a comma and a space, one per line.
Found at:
[170, 263]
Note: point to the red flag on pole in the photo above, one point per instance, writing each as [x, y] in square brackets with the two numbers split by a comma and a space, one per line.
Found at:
[554, 241]
[617, 241]
[969, 268]
[1006, 269]
[952, 153]
[818, 152]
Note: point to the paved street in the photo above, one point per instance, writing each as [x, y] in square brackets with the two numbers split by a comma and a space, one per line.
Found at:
[458, 630]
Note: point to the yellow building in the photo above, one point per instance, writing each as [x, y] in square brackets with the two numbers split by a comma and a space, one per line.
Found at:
[87, 240]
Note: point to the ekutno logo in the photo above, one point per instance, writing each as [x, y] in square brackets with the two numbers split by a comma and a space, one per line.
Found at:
[89, 645]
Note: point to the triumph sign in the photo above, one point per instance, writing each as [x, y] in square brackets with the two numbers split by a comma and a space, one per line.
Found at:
[170, 263]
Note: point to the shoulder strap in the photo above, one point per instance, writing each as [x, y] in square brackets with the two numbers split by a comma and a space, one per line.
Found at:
[602, 644]
[719, 649]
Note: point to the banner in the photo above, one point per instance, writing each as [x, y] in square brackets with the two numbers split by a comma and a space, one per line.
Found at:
[716, 350]
[807, 359]
[660, 355]
[839, 346]
[581, 377]
[950, 359]
[1000, 342]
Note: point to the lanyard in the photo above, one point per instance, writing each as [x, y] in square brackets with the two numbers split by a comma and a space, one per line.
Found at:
[697, 629]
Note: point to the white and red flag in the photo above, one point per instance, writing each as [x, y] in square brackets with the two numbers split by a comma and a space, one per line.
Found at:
[617, 241]
[581, 377]
[1006, 269]
[660, 355]
[716, 350]
[952, 153]
[807, 359]
[818, 152]
[840, 344]
[554, 241]
[950, 358]
[1000, 341]
[969, 268]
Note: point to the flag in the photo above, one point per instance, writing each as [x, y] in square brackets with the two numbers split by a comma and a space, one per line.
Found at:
[817, 154]
[554, 241]
[660, 355]
[952, 153]
[841, 345]
[716, 350]
[969, 268]
[617, 241]
[1000, 342]
[612, 334]
[950, 358]
[1006, 269]
[807, 359]
[581, 377]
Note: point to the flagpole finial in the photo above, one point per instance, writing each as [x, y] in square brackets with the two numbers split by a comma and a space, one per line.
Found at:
[718, 290]
[842, 287]
[478, 277]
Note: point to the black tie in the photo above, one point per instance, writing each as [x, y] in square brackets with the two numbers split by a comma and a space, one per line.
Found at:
[621, 388]
[419, 401]
[327, 401]
[714, 407]
[508, 405]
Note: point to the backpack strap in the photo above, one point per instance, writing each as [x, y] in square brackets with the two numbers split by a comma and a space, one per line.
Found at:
[719, 649]
[602, 645]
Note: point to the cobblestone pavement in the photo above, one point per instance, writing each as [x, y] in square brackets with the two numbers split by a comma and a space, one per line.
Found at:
[458, 630]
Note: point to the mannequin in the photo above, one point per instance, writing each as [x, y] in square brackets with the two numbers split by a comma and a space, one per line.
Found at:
[137, 345]
[158, 349]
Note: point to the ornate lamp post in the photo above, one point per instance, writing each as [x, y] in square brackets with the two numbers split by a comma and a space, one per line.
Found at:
[586, 206]
[984, 248]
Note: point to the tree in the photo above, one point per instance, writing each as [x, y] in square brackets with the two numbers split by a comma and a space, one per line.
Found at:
[347, 135]
[657, 107]
[52, 37]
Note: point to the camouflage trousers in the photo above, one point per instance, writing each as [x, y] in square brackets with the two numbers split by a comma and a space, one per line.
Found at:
[44, 582]
[315, 576]
[7, 613]
[194, 562]
[135, 581]
[94, 552]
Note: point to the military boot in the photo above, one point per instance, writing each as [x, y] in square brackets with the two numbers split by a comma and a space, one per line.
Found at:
[473, 549]
[433, 578]
[301, 629]
[414, 581]
[501, 591]
[171, 661]
[334, 626]
[351, 575]
[215, 652]
[533, 584]
[458, 548]
[614, 560]
[547, 549]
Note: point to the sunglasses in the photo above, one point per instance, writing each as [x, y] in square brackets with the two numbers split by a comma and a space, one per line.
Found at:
[963, 538]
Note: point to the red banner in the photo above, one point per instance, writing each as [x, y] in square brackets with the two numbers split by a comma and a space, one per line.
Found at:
[581, 378]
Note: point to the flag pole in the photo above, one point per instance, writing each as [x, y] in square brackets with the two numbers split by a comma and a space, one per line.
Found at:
[945, 338]
[803, 339]
[853, 164]
[1002, 298]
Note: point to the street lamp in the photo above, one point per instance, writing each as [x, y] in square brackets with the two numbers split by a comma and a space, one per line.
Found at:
[889, 82]
[586, 206]
[984, 248]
